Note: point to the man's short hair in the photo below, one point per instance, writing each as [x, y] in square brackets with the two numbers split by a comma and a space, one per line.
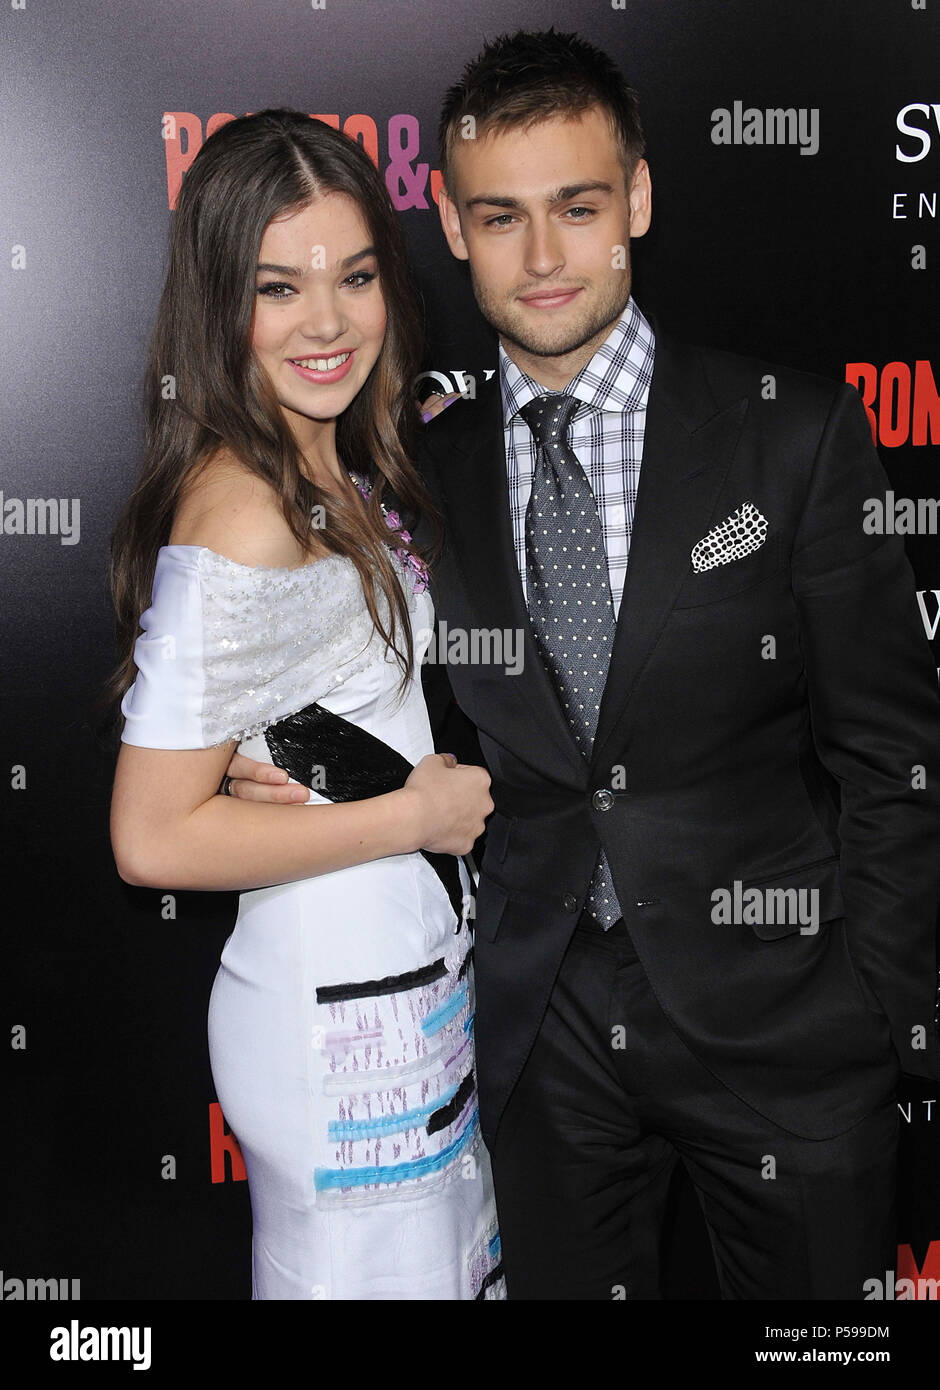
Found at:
[522, 78]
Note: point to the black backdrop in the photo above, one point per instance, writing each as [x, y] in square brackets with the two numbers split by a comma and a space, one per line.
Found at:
[810, 259]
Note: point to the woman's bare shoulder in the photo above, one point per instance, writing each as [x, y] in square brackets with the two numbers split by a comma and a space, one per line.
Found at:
[228, 509]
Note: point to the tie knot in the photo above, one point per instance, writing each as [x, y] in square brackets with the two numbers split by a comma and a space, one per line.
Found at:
[548, 417]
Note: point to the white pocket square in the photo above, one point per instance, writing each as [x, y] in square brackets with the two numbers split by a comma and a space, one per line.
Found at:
[740, 533]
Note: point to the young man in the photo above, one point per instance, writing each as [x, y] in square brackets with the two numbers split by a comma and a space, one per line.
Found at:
[708, 898]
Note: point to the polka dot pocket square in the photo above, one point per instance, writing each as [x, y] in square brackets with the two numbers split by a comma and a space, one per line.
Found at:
[744, 531]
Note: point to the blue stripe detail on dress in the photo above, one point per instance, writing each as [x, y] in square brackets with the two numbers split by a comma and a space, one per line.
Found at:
[387, 1124]
[436, 1019]
[326, 1178]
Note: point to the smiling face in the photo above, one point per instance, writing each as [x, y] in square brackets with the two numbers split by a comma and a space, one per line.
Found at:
[545, 219]
[319, 320]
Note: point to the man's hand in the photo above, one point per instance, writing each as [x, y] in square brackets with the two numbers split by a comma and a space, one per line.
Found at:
[252, 781]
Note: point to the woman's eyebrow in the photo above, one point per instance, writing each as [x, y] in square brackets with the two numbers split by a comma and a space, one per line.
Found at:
[296, 272]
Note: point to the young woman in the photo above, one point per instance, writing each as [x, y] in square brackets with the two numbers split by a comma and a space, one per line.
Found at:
[286, 616]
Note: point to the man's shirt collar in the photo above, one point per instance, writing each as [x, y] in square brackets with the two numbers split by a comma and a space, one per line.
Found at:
[616, 378]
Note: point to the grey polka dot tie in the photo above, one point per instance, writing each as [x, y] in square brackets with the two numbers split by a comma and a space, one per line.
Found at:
[570, 606]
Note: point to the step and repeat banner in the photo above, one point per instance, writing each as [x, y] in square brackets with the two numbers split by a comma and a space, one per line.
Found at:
[795, 158]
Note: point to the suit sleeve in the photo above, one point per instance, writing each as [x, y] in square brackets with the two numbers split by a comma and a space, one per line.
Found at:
[875, 713]
[451, 730]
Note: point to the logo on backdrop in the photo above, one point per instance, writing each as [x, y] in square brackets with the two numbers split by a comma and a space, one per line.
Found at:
[411, 183]
[223, 1146]
[919, 124]
[928, 601]
[900, 400]
[919, 127]
[447, 383]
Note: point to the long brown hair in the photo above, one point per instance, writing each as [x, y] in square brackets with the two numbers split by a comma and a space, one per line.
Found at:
[205, 390]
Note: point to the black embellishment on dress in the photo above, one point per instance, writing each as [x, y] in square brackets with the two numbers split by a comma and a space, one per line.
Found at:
[389, 984]
[492, 1278]
[356, 765]
[448, 1113]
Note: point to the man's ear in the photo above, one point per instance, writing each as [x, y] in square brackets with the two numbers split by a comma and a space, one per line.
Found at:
[450, 221]
[640, 199]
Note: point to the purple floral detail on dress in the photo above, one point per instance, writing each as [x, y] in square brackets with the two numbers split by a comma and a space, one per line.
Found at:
[417, 566]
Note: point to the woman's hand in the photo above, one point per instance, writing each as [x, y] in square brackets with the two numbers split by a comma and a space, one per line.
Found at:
[435, 403]
[452, 801]
[448, 809]
[253, 781]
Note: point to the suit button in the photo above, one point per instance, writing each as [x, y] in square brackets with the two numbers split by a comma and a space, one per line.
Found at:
[571, 903]
[602, 800]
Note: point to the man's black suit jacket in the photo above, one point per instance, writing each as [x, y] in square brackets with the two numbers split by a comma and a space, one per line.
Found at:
[762, 722]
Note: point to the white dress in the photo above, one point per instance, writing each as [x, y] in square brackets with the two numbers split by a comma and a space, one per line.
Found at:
[341, 1017]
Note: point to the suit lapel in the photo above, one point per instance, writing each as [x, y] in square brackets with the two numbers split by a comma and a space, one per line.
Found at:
[472, 480]
[688, 444]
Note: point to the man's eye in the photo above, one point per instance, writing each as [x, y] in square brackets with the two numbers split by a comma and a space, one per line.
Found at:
[272, 290]
[586, 211]
[501, 220]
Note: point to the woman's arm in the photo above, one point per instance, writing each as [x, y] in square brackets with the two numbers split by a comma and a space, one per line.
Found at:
[169, 829]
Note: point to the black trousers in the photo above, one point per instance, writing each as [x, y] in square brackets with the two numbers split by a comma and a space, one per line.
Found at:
[610, 1099]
